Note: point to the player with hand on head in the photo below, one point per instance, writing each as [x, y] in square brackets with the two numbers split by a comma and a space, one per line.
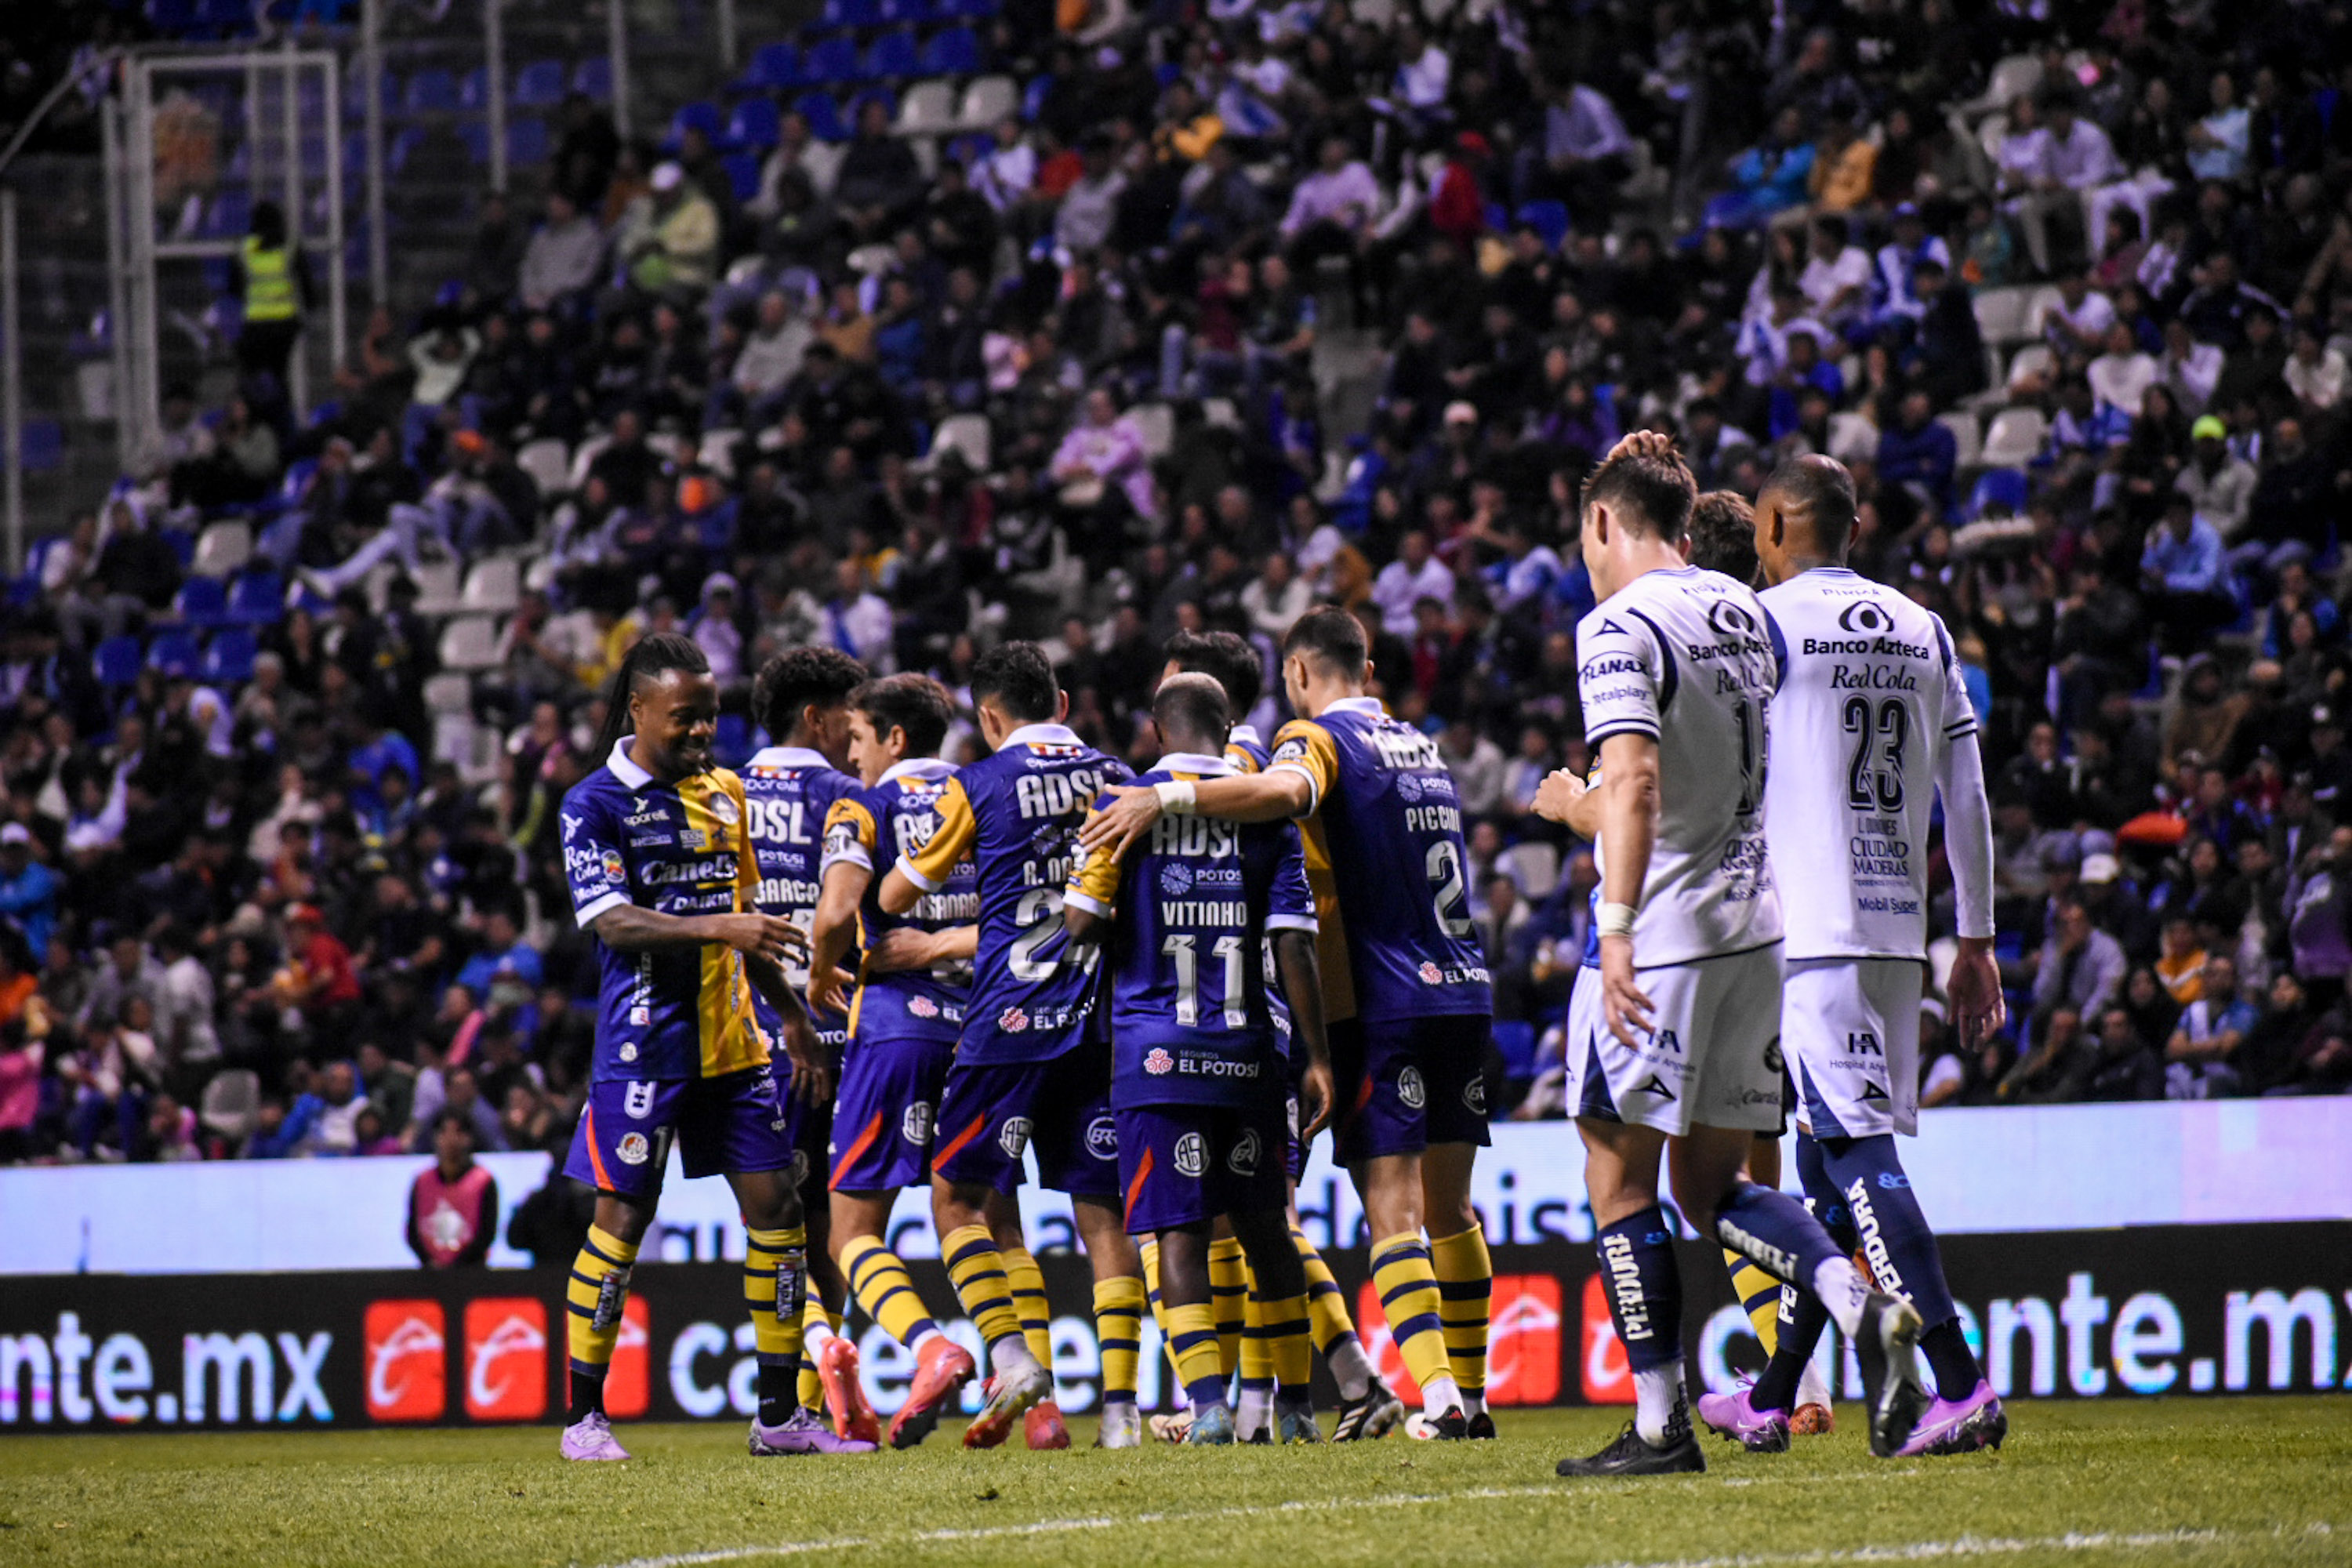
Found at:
[1199, 1080]
[911, 989]
[1409, 1016]
[1028, 1073]
[1670, 1054]
[661, 869]
[1870, 725]
[803, 698]
[1368, 1409]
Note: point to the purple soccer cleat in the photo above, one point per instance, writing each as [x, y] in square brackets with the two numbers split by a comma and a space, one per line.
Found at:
[803, 1432]
[1959, 1425]
[1735, 1415]
[591, 1437]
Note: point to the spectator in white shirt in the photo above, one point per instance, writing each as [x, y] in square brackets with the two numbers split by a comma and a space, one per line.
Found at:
[1340, 196]
[1415, 575]
[1836, 279]
[1275, 598]
[2191, 369]
[2077, 320]
[2314, 372]
[1585, 155]
[2073, 159]
[858, 620]
[2216, 143]
[1424, 73]
[1005, 174]
[2121, 376]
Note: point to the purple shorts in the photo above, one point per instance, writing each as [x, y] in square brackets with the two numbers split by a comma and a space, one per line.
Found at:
[722, 1126]
[1402, 1084]
[1185, 1164]
[884, 1114]
[989, 1113]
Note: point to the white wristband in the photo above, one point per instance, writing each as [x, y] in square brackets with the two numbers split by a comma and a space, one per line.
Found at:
[1176, 797]
[1613, 919]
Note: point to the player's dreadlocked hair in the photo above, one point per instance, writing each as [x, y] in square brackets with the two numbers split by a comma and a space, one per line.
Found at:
[1723, 535]
[915, 703]
[648, 658]
[1226, 656]
[1651, 492]
[790, 682]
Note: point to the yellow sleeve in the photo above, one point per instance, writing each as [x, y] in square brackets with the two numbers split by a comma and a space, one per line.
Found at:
[849, 835]
[959, 830]
[1238, 759]
[1306, 747]
[1095, 888]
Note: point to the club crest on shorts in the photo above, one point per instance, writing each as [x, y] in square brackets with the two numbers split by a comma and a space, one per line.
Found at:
[799, 1166]
[1102, 1138]
[1158, 1062]
[1013, 1136]
[1242, 1159]
[915, 1125]
[1191, 1154]
[633, 1149]
[639, 1100]
[628, 1051]
[1013, 1020]
[1474, 1095]
[1410, 1088]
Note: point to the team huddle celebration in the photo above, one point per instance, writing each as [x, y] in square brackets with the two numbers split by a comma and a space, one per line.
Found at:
[853, 969]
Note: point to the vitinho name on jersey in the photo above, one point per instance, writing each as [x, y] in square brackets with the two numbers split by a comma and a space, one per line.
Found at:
[1203, 912]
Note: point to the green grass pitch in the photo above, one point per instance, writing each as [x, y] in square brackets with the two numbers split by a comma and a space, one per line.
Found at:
[2206, 1481]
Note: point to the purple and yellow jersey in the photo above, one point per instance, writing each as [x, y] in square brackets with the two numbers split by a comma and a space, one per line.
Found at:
[1388, 826]
[1016, 815]
[678, 849]
[1191, 1016]
[1244, 752]
[902, 811]
[788, 791]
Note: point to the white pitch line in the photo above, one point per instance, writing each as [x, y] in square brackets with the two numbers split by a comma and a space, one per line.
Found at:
[1932, 1551]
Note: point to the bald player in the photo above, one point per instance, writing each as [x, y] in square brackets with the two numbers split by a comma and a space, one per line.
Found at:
[1870, 724]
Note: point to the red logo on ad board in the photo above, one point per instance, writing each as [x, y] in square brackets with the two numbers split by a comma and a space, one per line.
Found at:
[407, 1361]
[506, 1359]
[1523, 1346]
[628, 1384]
[1608, 1377]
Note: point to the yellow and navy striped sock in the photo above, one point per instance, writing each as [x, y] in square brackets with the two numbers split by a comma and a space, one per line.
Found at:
[977, 1269]
[775, 1283]
[817, 1325]
[1192, 1339]
[1465, 1290]
[1409, 1297]
[1119, 1325]
[1280, 1326]
[599, 1287]
[883, 1287]
[1228, 1299]
[1028, 1285]
[1150, 1251]
[1334, 1331]
[1760, 1298]
[1257, 1363]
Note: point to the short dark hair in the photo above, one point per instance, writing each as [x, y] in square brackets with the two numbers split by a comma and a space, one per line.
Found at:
[657, 653]
[1019, 677]
[1331, 637]
[1820, 492]
[1652, 494]
[790, 682]
[1192, 704]
[915, 703]
[1229, 658]
[1723, 535]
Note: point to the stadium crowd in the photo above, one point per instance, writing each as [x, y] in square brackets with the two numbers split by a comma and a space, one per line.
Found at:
[1068, 387]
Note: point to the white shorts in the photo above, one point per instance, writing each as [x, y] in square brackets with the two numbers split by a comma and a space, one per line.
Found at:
[1712, 1060]
[1851, 1026]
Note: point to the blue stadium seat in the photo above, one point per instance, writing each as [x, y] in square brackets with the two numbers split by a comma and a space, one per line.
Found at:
[955, 52]
[174, 652]
[701, 115]
[970, 149]
[893, 58]
[256, 598]
[733, 742]
[432, 92]
[528, 142]
[1515, 1040]
[853, 13]
[45, 444]
[403, 147]
[834, 60]
[773, 68]
[474, 90]
[823, 114]
[1549, 219]
[743, 174]
[911, 12]
[202, 601]
[539, 85]
[592, 77]
[228, 657]
[116, 661]
[228, 216]
[182, 544]
[1998, 490]
[968, 10]
[755, 125]
[1032, 97]
[476, 138]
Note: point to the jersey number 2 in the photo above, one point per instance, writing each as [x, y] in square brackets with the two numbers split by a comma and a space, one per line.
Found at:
[1444, 867]
[1874, 777]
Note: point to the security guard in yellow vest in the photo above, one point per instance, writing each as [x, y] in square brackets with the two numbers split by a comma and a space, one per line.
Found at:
[274, 285]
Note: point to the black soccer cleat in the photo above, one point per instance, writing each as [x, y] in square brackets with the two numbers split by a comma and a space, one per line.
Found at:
[1891, 1392]
[1628, 1455]
[1376, 1414]
[1482, 1428]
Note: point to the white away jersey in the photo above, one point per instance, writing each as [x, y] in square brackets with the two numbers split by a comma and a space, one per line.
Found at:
[1687, 657]
[1870, 696]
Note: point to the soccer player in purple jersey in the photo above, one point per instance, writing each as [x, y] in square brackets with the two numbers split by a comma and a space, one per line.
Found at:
[1409, 1051]
[1200, 1083]
[802, 699]
[1029, 1077]
[660, 869]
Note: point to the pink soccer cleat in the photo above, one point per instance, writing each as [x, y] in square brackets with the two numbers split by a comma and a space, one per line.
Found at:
[803, 1432]
[591, 1437]
[1959, 1427]
[1735, 1415]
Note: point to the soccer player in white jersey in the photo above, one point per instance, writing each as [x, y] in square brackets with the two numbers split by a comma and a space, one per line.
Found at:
[1676, 667]
[1869, 726]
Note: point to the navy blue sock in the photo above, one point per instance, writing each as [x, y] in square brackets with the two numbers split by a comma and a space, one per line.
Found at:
[1645, 1287]
[1901, 1250]
[1802, 1316]
[1775, 1232]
